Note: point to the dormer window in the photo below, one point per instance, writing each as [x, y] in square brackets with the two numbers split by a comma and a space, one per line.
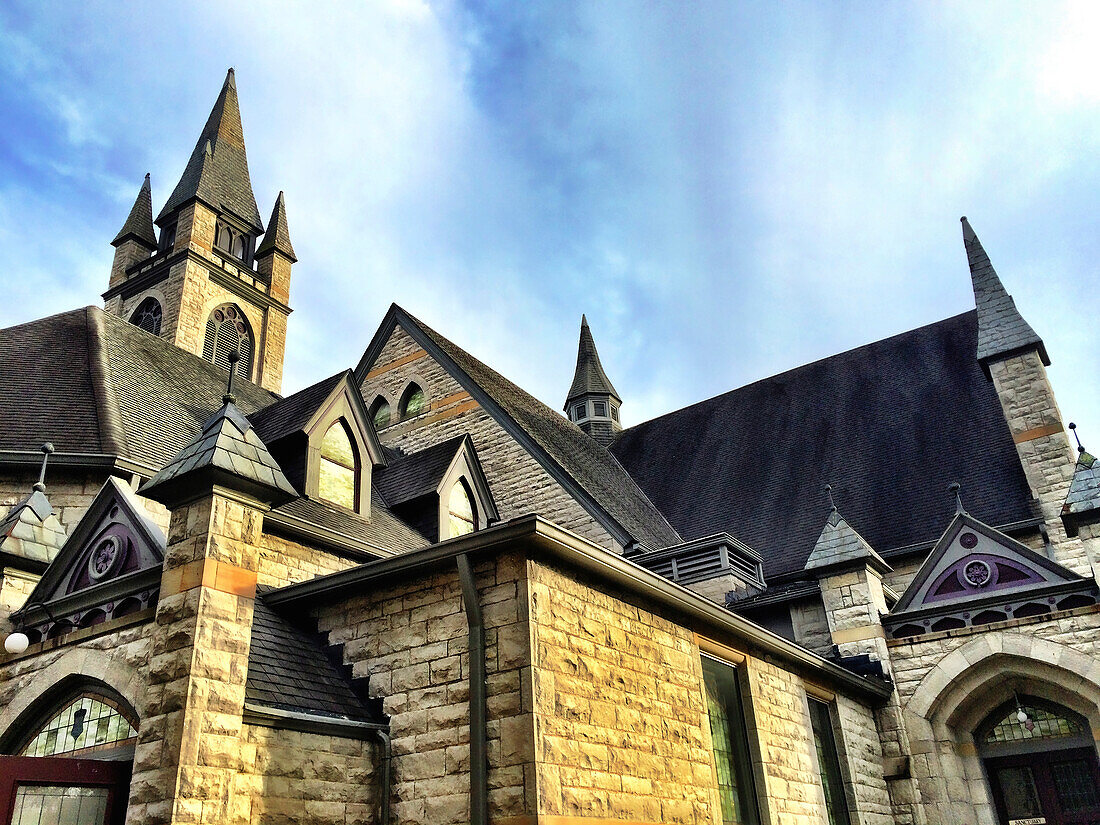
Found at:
[339, 470]
[412, 401]
[380, 413]
[460, 509]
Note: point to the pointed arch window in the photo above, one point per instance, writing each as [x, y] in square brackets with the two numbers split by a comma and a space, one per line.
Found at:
[227, 330]
[89, 722]
[148, 316]
[412, 401]
[380, 412]
[462, 518]
[339, 471]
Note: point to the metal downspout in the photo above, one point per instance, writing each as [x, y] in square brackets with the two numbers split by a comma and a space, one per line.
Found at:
[479, 763]
[387, 761]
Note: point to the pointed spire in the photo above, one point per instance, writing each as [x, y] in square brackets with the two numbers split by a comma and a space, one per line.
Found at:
[139, 223]
[1002, 331]
[217, 172]
[589, 378]
[277, 238]
[30, 530]
[840, 545]
[1082, 503]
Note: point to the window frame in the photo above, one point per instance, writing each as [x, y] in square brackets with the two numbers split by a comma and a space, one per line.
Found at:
[246, 367]
[842, 781]
[356, 468]
[757, 813]
[406, 396]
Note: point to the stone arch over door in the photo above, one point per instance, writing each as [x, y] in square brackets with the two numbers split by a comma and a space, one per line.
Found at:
[954, 698]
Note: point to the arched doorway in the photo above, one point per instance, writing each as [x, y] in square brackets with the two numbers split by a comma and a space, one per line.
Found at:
[68, 760]
[1041, 764]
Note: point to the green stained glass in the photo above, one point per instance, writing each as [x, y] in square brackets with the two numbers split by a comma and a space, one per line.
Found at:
[337, 481]
[91, 719]
[414, 401]
[729, 744]
[461, 511]
[828, 763]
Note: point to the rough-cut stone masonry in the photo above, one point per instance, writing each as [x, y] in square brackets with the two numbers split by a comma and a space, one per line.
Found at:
[283, 562]
[289, 777]
[861, 752]
[811, 625]
[519, 483]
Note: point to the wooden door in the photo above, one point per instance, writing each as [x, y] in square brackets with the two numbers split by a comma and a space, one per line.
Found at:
[1057, 787]
[63, 791]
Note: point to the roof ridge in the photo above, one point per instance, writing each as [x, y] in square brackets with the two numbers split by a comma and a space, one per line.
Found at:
[112, 433]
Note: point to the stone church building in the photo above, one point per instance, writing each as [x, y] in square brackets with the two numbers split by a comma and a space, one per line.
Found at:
[863, 591]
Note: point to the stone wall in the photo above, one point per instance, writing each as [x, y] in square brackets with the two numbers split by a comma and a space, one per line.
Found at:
[620, 723]
[283, 562]
[861, 752]
[519, 484]
[289, 777]
[811, 625]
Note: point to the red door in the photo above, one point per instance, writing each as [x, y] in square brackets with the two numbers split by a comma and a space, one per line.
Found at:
[1059, 787]
[52, 790]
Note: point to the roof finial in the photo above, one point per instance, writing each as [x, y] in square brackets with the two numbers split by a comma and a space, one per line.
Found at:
[229, 397]
[1073, 429]
[829, 492]
[47, 448]
[956, 488]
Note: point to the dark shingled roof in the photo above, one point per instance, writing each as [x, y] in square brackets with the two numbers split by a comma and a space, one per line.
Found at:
[217, 172]
[589, 376]
[288, 669]
[1084, 488]
[592, 467]
[228, 446]
[277, 237]
[408, 477]
[139, 223]
[384, 529]
[290, 415]
[1001, 328]
[889, 425]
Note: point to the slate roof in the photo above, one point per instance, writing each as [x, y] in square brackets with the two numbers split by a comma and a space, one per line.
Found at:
[139, 223]
[277, 236]
[1001, 328]
[30, 529]
[383, 530]
[288, 669]
[217, 172]
[589, 377]
[588, 464]
[839, 544]
[1084, 488]
[408, 477]
[229, 447]
[290, 415]
[889, 425]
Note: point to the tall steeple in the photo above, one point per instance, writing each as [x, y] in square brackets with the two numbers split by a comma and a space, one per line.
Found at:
[217, 172]
[592, 402]
[137, 239]
[1002, 331]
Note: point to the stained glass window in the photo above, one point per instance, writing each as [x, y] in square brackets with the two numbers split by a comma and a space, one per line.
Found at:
[148, 316]
[226, 331]
[338, 481]
[729, 743]
[41, 804]
[461, 510]
[1047, 724]
[412, 402]
[828, 763]
[380, 413]
[88, 722]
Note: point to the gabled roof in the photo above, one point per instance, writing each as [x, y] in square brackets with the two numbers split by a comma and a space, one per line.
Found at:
[1002, 331]
[839, 545]
[408, 477]
[1083, 498]
[577, 462]
[889, 424]
[217, 172]
[277, 237]
[288, 669]
[227, 452]
[94, 384]
[139, 223]
[589, 378]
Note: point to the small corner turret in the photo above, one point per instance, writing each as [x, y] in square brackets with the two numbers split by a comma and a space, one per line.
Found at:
[592, 403]
[205, 286]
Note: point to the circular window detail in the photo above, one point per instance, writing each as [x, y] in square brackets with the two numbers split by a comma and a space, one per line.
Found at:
[968, 540]
[105, 559]
[977, 573]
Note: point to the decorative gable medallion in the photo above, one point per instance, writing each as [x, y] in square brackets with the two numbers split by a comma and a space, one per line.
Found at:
[977, 575]
[109, 567]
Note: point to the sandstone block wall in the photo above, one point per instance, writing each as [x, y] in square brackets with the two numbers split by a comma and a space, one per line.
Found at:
[289, 777]
[811, 625]
[861, 753]
[519, 483]
[283, 562]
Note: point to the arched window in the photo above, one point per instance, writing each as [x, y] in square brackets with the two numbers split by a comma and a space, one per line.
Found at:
[86, 723]
[224, 237]
[227, 330]
[412, 401]
[339, 477]
[460, 509]
[380, 412]
[148, 316]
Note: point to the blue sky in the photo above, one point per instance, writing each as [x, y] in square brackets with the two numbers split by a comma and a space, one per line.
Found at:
[728, 190]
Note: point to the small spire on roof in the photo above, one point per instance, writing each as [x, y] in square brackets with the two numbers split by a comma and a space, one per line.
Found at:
[829, 492]
[40, 485]
[234, 358]
[139, 223]
[956, 488]
[277, 237]
[1073, 429]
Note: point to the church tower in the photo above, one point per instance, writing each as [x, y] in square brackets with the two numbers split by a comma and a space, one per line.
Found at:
[207, 285]
[592, 403]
